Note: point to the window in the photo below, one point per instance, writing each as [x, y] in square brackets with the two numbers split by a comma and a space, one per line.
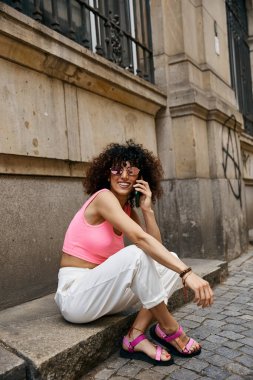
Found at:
[240, 59]
[118, 30]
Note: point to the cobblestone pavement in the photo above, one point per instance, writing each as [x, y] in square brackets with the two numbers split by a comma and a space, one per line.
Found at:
[224, 330]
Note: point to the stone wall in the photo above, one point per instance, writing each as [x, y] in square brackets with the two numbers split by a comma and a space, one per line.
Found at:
[60, 104]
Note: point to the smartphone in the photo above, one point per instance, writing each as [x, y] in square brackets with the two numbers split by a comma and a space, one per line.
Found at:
[137, 198]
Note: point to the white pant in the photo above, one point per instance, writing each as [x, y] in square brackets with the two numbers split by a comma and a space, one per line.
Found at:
[127, 277]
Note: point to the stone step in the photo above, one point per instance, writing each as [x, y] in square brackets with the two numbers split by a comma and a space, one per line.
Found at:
[11, 366]
[52, 349]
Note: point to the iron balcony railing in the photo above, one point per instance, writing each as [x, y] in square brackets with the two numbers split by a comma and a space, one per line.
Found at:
[119, 30]
[239, 54]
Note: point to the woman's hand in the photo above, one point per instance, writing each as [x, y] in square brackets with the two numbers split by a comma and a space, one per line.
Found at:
[202, 290]
[146, 194]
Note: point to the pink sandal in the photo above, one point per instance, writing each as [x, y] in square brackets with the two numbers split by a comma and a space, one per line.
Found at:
[138, 355]
[164, 339]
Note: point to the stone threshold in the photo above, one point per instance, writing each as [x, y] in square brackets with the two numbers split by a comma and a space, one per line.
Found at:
[36, 343]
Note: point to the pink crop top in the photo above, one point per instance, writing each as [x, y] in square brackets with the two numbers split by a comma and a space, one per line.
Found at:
[93, 243]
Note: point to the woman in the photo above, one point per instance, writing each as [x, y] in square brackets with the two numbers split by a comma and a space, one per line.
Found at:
[100, 276]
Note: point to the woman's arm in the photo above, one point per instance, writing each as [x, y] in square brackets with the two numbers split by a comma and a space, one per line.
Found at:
[146, 208]
[151, 226]
[108, 206]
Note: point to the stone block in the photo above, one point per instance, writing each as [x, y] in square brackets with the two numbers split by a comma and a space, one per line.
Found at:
[230, 219]
[158, 25]
[187, 218]
[55, 348]
[227, 352]
[161, 72]
[245, 360]
[184, 374]
[216, 372]
[178, 77]
[130, 370]
[231, 335]
[232, 327]
[173, 26]
[116, 123]
[11, 366]
[215, 11]
[72, 122]
[224, 151]
[35, 213]
[165, 146]
[247, 341]
[191, 157]
[214, 324]
[193, 21]
[216, 339]
[35, 103]
[150, 375]
[232, 344]
[196, 364]
[239, 369]
[165, 370]
[185, 154]
[104, 374]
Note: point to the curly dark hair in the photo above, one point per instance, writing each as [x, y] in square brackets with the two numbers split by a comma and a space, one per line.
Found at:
[115, 154]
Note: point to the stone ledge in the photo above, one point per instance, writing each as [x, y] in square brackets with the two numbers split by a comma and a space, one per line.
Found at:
[27, 165]
[11, 366]
[194, 102]
[54, 349]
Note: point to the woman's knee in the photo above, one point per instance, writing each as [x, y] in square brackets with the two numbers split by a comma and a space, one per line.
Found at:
[132, 252]
[139, 254]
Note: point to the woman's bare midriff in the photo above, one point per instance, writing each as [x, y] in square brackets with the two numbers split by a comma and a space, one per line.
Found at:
[72, 261]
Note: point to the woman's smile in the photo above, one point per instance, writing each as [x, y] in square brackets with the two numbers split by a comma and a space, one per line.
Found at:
[124, 185]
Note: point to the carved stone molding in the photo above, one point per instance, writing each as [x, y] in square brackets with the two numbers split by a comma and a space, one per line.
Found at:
[14, 164]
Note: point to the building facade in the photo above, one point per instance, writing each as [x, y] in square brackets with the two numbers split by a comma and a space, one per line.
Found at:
[78, 75]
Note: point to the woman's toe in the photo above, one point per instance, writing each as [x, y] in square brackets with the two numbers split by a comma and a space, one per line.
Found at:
[165, 355]
[196, 347]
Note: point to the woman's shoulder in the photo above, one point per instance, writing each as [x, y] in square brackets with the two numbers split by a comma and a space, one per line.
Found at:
[100, 194]
[106, 199]
[100, 191]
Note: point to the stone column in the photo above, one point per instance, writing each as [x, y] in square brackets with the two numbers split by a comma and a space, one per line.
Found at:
[199, 214]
